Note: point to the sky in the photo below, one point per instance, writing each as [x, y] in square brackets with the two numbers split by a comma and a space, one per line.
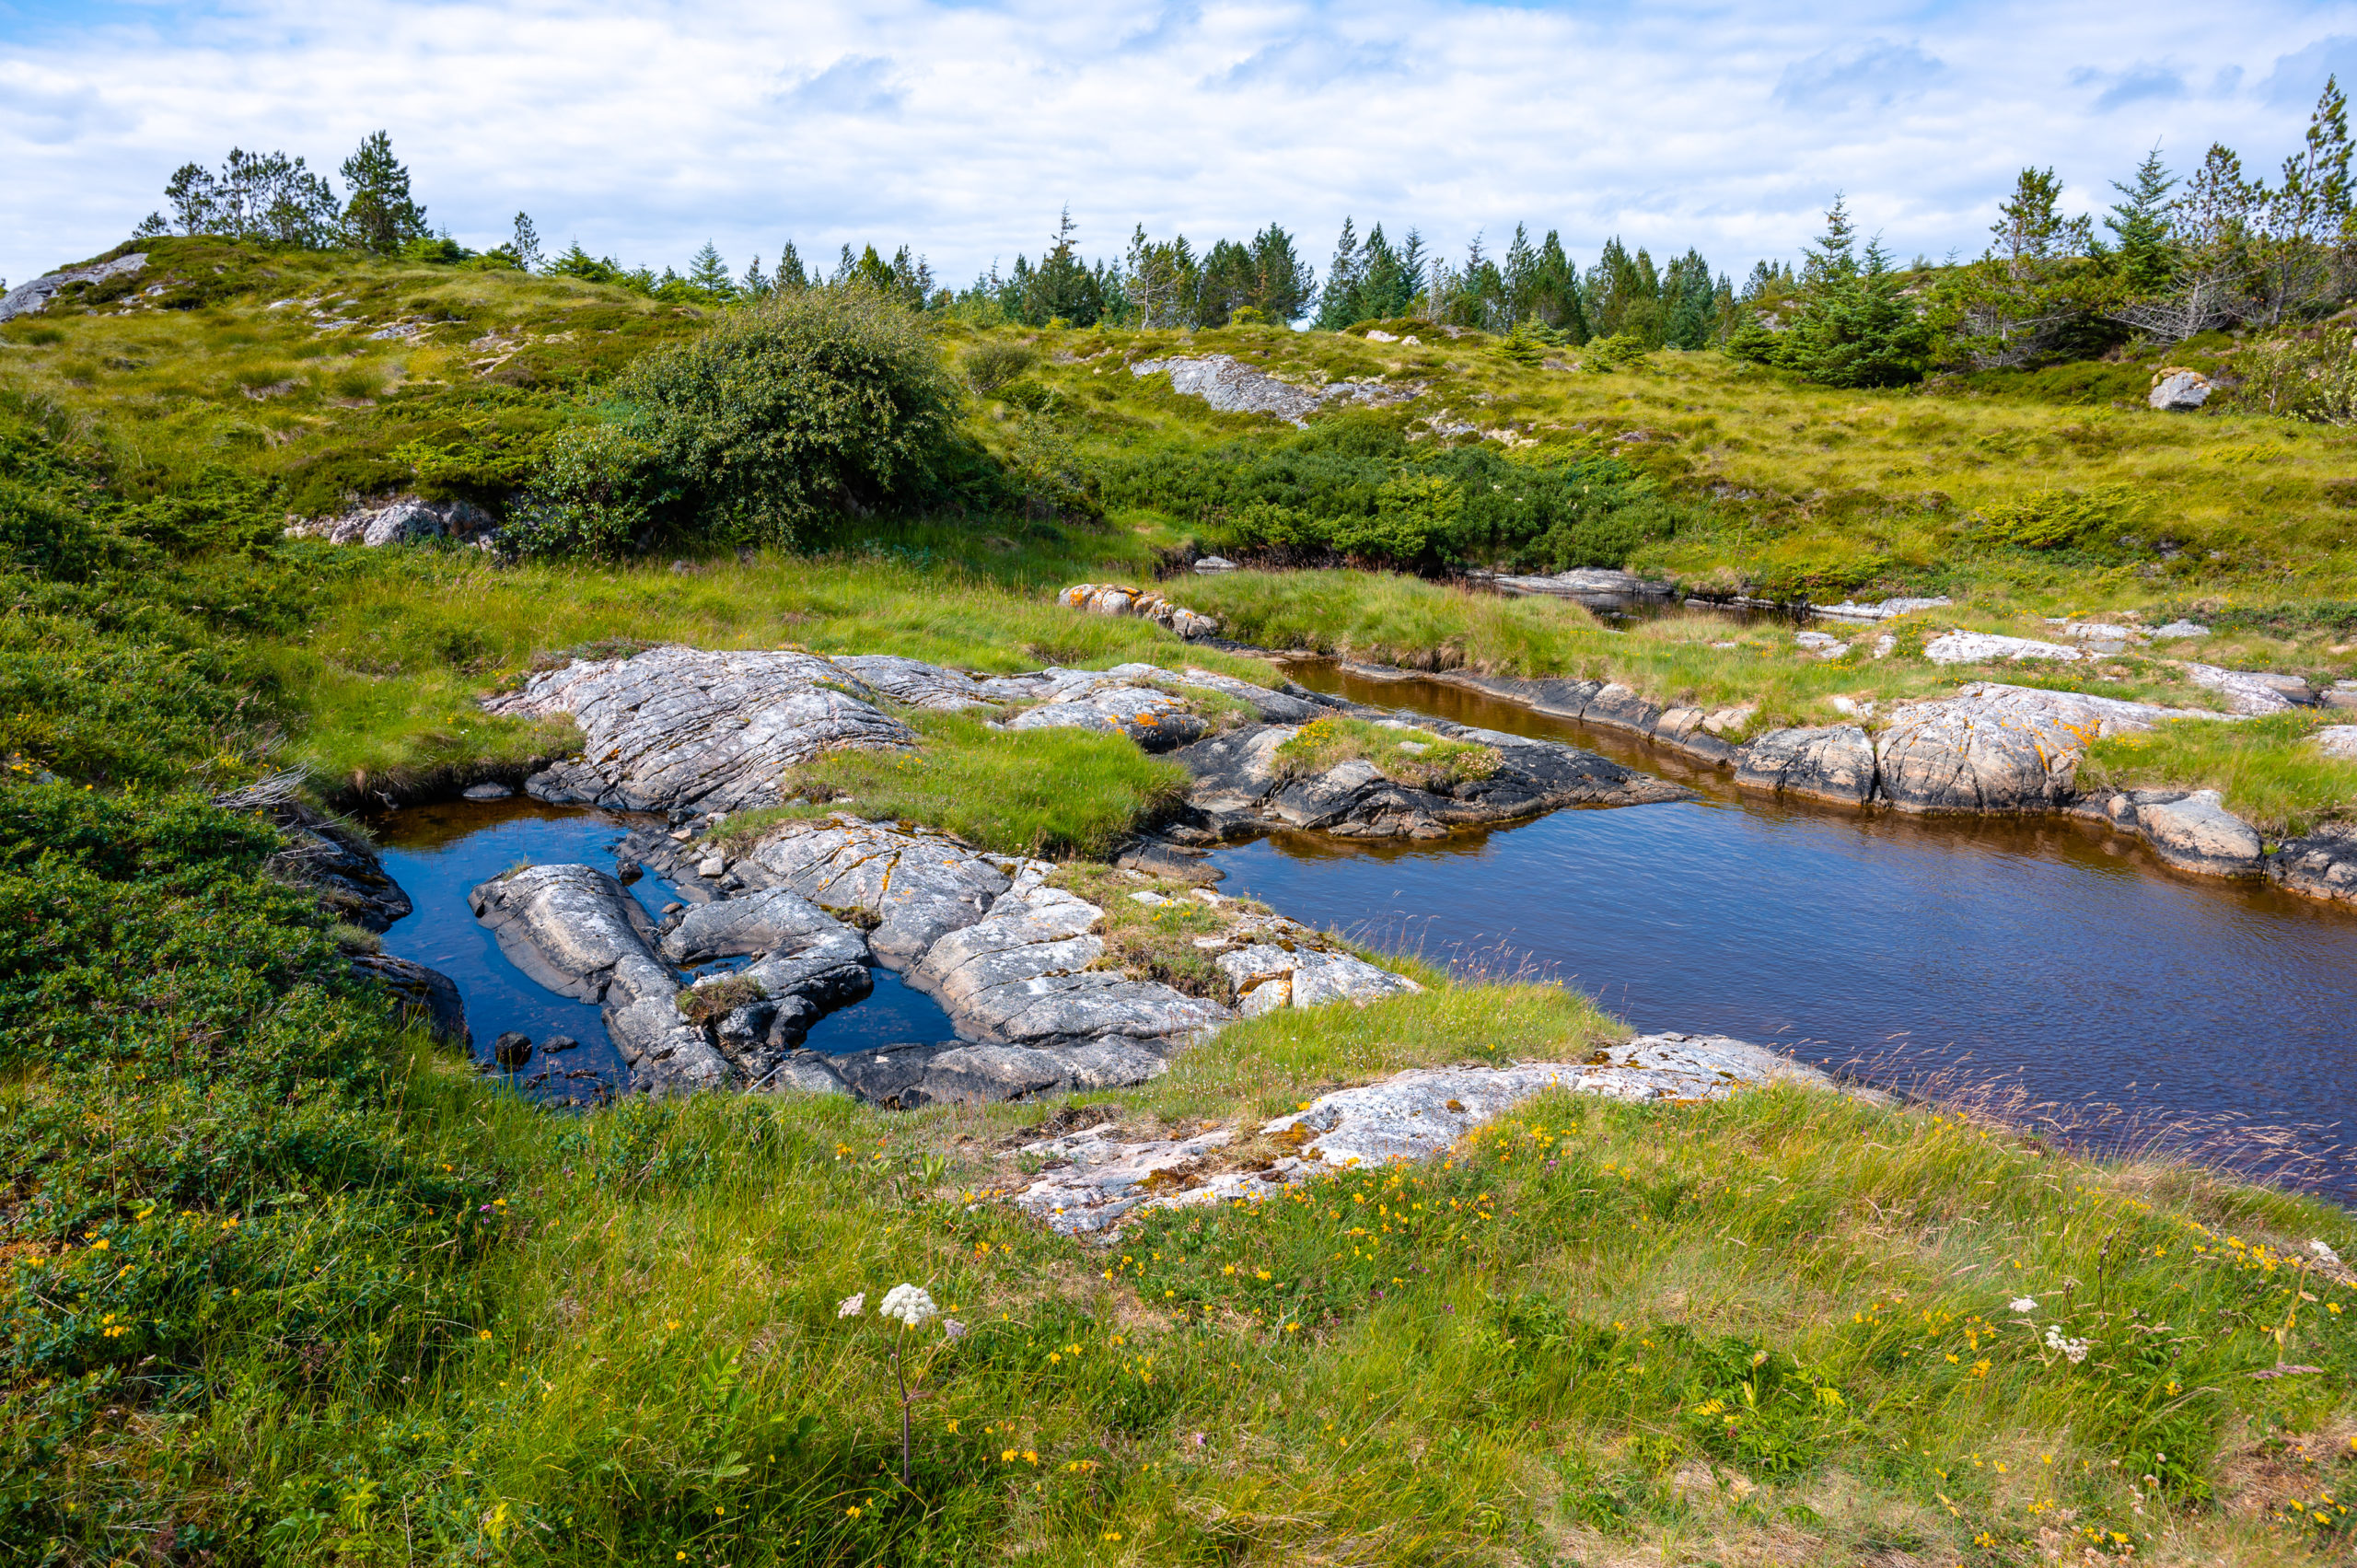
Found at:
[962, 129]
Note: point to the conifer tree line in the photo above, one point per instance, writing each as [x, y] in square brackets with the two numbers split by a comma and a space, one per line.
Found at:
[2177, 255]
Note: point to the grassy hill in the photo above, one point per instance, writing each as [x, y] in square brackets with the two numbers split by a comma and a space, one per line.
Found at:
[281, 1284]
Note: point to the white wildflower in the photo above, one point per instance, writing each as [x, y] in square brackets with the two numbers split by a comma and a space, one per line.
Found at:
[2331, 1259]
[2024, 1304]
[909, 1303]
[2074, 1349]
[852, 1305]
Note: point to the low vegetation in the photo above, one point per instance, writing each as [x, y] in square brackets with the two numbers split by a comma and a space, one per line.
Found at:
[1413, 757]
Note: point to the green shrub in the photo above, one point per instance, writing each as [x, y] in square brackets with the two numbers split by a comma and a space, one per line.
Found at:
[993, 364]
[596, 496]
[2052, 519]
[814, 399]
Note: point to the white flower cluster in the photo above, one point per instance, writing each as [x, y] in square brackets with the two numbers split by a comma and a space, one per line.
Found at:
[908, 1305]
[852, 1305]
[2024, 1304]
[2075, 1349]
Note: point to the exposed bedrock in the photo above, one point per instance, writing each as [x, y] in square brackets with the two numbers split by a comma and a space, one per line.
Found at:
[424, 996]
[574, 930]
[1241, 786]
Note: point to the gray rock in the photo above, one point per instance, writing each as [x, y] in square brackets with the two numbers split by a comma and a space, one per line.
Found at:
[1882, 609]
[800, 951]
[1237, 788]
[676, 726]
[512, 1050]
[1265, 976]
[573, 929]
[2251, 690]
[1599, 586]
[2195, 832]
[1233, 387]
[486, 791]
[1023, 974]
[1834, 763]
[325, 857]
[1099, 1178]
[1156, 720]
[2179, 391]
[423, 995]
[2338, 740]
[1208, 564]
[1985, 647]
[1273, 707]
[916, 888]
[1997, 747]
[399, 519]
[2321, 866]
[27, 300]
[912, 684]
[1108, 599]
[2176, 629]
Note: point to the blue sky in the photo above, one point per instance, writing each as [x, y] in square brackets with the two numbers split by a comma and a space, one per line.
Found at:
[962, 129]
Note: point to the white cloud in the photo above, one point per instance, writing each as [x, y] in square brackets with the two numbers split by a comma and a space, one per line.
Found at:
[962, 130]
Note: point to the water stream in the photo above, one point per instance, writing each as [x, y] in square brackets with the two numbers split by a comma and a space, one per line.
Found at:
[2059, 958]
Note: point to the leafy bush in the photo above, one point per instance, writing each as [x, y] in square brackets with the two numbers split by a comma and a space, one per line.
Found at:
[990, 366]
[597, 494]
[2052, 519]
[809, 401]
[1615, 353]
[2305, 377]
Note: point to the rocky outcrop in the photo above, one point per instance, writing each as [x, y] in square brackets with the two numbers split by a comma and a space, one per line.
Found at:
[906, 1077]
[423, 997]
[330, 858]
[1835, 764]
[1995, 747]
[676, 726]
[1240, 786]
[573, 929]
[908, 888]
[1988, 647]
[2323, 865]
[1230, 385]
[2252, 691]
[27, 300]
[1026, 974]
[400, 519]
[1108, 598]
[806, 964]
[1598, 587]
[1097, 1179]
[914, 684]
[1156, 720]
[1269, 976]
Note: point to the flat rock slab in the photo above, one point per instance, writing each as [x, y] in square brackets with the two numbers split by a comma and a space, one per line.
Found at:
[1233, 387]
[1104, 1179]
[2192, 831]
[676, 726]
[1238, 786]
[911, 1076]
[2250, 691]
[574, 930]
[1025, 974]
[910, 888]
[1986, 647]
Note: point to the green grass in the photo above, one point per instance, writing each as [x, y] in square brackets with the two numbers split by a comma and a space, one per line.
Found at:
[2268, 769]
[1052, 792]
[1434, 764]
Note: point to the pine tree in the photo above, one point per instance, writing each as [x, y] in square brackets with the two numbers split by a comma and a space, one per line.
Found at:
[1519, 274]
[1283, 283]
[378, 215]
[709, 274]
[1062, 288]
[2302, 217]
[1691, 299]
[526, 243]
[1413, 260]
[755, 284]
[1856, 329]
[790, 275]
[1339, 298]
[1385, 283]
[2141, 224]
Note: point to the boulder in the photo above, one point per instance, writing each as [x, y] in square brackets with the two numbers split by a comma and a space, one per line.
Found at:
[489, 790]
[573, 929]
[1265, 977]
[799, 951]
[1834, 763]
[1998, 747]
[2193, 832]
[2321, 866]
[1099, 599]
[676, 726]
[1095, 1178]
[27, 300]
[2180, 629]
[327, 857]
[1153, 719]
[2338, 740]
[1881, 609]
[1023, 974]
[399, 519]
[1600, 588]
[512, 1050]
[423, 995]
[2178, 391]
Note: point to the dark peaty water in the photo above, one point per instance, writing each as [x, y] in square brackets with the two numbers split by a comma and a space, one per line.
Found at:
[2051, 954]
[437, 852]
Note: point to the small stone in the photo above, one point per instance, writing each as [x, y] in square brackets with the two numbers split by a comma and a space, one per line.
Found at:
[488, 790]
[2338, 740]
[711, 866]
[512, 1050]
[555, 1043]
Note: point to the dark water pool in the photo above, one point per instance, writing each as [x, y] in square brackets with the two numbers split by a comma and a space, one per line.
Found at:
[437, 852]
[2060, 959]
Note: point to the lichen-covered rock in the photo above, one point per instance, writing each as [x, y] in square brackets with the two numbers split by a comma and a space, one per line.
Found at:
[1836, 764]
[2193, 832]
[1102, 1180]
[914, 684]
[1112, 599]
[573, 929]
[907, 1077]
[2252, 691]
[1265, 976]
[1996, 748]
[801, 954]
[678, 727]
[27, 298]
[916, 888]
[1238, 786]
[2178, 391]
[1023, 974]
[1985, 647]
[1156, 720]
